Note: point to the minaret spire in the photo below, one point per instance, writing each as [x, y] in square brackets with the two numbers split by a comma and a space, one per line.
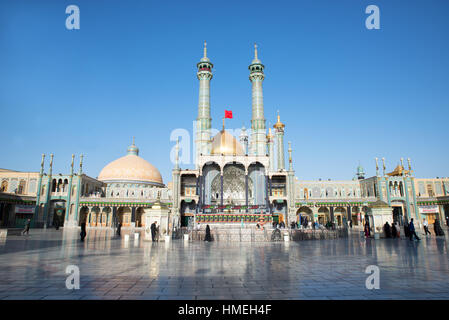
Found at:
[279, 128]
[258, 128]
[205, 49]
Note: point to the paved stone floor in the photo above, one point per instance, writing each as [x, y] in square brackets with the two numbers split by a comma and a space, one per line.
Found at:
[33, 267]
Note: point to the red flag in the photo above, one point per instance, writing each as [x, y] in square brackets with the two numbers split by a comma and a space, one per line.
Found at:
[228, 114]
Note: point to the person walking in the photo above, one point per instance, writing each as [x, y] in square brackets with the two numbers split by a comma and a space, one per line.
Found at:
[411, 230]
[387, 230]
[426, 227]
[119, 228]
[153, 231]
[437, 228]
[27, 227]
[83, 231]
[367, 229]
[207, 237]
[398, 229]
[406, 230]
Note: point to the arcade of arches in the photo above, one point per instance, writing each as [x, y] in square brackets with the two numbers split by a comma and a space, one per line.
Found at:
[324, 214]
[111, 216]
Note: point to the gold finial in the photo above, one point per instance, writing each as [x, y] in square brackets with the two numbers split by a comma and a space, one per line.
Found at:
[134, 140]
[279, 124]
[269, 135]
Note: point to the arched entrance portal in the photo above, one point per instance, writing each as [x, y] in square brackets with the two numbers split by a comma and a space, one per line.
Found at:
[84, 211]
[124, 216]
[304, 215]
[323, 215]
[339, 214]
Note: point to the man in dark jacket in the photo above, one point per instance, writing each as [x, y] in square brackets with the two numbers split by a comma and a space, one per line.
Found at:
[411, 230]
[437, 227]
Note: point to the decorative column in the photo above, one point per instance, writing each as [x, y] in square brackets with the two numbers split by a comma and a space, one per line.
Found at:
[377, 168]
[78, 189]
[331, 214]
[176, 173]
[133, 214]
[279, 128]
[270, 142]
[203, 123]
[258, 130]
[221, 184]
[48, 194]
[267, 195]
[349, 214]
[38, 193]
[69, 194]
[246, 189]
[291, 186]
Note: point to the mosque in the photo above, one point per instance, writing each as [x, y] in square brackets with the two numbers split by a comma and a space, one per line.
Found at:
[235, 181]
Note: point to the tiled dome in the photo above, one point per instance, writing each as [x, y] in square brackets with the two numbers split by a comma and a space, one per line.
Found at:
[131, 168]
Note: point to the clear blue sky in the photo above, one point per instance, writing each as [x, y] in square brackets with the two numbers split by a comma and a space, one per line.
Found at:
[346, 94]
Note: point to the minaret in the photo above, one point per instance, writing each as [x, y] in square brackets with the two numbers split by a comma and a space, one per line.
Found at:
[270, 142]
[203, 122]
[279, 126]
[244, 139]
[258, 131]
[290, 162]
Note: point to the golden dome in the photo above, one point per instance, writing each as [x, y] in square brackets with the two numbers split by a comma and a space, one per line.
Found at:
[131, 168]
[225, 143]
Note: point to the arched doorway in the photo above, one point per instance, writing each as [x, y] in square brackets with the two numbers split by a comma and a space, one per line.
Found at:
[124, 216]
[187, 213]
[83, 216]
[106, 217]
[94, 217]
[139, 221]
[355, 215]
[304, 215]
[340, 216]
[57, 212]
[323, 215]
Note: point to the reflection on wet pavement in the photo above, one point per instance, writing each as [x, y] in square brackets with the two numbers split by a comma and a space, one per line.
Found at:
[33, 267]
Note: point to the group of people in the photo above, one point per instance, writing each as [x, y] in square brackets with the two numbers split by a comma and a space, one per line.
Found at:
[279, 225]
[393, 231]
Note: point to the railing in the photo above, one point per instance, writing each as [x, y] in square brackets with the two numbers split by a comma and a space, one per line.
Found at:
[253, 234]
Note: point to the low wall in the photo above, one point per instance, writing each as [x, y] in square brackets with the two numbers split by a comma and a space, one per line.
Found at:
[263, 235]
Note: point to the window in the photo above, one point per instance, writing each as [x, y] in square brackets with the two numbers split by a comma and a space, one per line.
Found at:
[4, 187]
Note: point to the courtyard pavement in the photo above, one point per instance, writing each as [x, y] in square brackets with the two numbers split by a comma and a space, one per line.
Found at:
[34, 267]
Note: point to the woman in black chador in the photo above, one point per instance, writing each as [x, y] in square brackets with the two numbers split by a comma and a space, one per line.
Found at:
[437, 227]
[387, 230]
[207, 237]
[83, 230]
[394, 232]
[406, 230]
